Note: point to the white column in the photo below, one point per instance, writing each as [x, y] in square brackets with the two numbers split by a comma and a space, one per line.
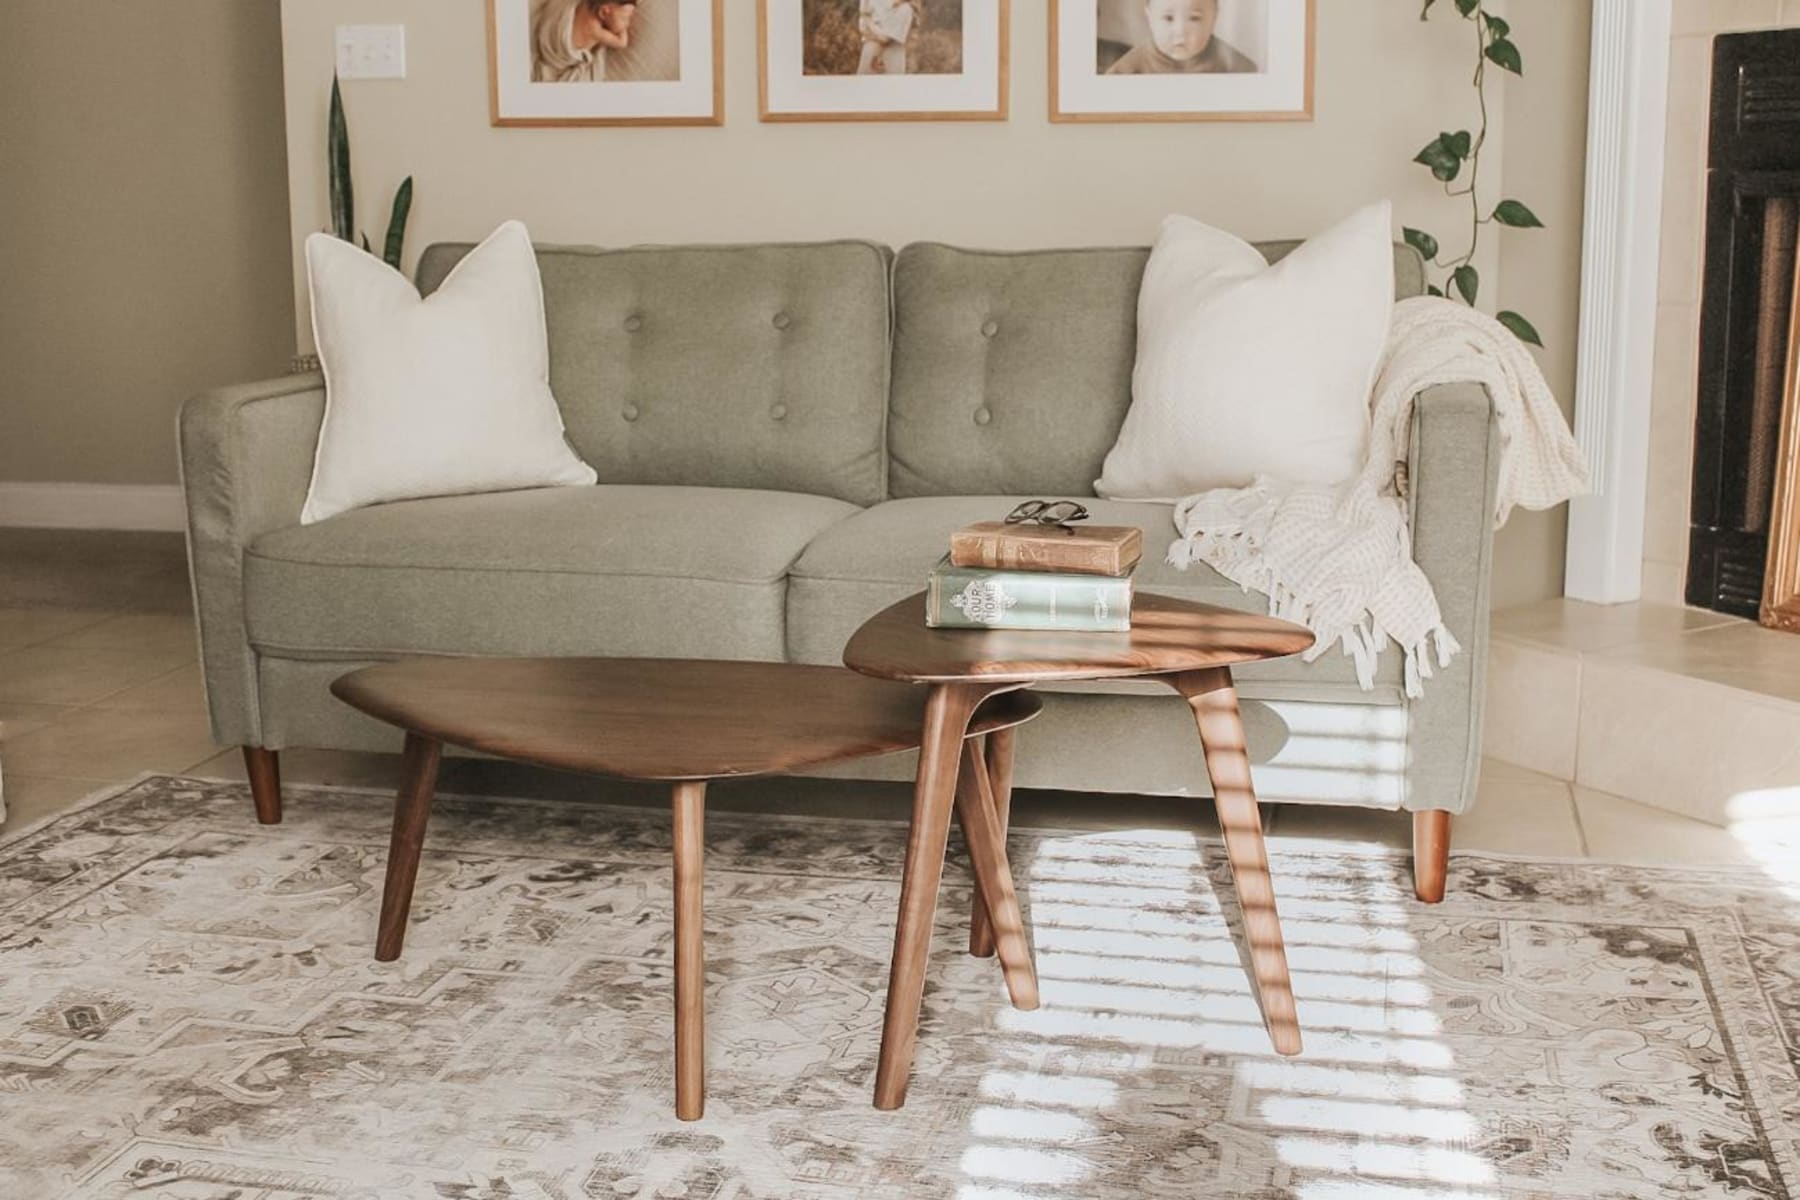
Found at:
[1627, 102]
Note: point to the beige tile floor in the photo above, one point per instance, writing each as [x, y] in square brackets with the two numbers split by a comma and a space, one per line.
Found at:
[91, 697]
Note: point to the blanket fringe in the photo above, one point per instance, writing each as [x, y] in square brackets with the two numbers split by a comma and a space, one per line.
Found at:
[1418, 658]
[1362, 641]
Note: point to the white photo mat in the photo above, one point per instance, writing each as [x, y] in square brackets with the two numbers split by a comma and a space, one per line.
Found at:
[696, 98]
[788, 93]
[1282, 89]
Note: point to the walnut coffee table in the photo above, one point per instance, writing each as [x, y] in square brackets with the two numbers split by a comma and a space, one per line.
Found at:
[1189, 646]
[683, 721]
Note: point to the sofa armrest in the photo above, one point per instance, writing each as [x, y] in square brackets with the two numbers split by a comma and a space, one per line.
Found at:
[246, 462]
[1454, 469]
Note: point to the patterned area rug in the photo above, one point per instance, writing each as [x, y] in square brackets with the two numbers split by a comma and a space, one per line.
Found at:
[189, 1011]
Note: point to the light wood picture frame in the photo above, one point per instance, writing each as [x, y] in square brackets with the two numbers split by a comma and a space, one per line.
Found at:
[884, 60]
[1107, 64]
[658, 63]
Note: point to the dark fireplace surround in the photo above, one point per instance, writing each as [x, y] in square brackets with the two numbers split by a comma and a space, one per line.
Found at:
[1747, 302]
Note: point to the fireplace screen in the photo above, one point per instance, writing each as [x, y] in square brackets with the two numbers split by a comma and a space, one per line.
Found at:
[1744, 553]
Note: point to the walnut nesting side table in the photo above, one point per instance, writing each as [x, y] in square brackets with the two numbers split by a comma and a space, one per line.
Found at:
[1191, 647]
[683, 722]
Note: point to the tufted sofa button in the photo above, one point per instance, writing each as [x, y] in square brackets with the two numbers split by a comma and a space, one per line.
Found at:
[983, 416]
[633, 323]
[779, 412]
[989, 328]
[782, 320]
[629, 412]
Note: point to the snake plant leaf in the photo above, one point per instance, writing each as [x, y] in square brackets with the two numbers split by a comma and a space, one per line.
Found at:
[1519, 326]
[1421, 241]
[1511, 212]
[1465, 7]
[1437, 154]
[396, 230]
[1502, 53]
[1467, 281]
[343, 199]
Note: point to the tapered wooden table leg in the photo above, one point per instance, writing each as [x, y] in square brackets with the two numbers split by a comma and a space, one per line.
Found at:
[418, 780]
[1214, 701]
[999, 755]
[947, 713]
[690, 951]
[975, 808]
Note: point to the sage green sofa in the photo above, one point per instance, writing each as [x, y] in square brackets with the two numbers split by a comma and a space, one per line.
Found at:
[785, 437]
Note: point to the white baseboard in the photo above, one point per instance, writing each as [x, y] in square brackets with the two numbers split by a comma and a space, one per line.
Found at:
[156, 507]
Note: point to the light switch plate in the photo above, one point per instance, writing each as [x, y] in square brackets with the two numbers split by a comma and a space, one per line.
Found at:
[371, 51]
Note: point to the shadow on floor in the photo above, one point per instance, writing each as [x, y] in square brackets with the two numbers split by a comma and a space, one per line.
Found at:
[93, 569]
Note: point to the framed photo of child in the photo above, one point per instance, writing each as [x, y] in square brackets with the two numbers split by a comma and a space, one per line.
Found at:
[1181, 60]
[606, 62]
[883, 60]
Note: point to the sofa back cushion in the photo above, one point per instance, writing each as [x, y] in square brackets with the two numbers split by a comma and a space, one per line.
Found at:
[1012, 371]
[762, 366]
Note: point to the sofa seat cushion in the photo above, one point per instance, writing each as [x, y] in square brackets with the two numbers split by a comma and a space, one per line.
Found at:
[859, 566]
[680, 572]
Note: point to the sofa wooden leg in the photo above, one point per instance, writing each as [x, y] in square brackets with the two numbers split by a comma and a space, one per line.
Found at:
[264, 768]
[1431, 853]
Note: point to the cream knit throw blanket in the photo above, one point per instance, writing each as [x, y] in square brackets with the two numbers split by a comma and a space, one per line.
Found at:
[1338, 558]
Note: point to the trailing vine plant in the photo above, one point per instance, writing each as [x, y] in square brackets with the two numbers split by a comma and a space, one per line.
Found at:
[1447, 153]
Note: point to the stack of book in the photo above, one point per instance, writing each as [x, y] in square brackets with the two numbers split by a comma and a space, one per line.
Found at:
[1008, 576]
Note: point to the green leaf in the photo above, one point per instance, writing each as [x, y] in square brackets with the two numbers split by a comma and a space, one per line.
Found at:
[1511, 212]
[1432, 289]
[396, 231]
[1520, 327]
[365, 244]
[1421, 241]
[1426, 11]
[1467, 281]
[1444, 162]
[1465, 7]
[1502, 53]
[1496, 27]
[337, 140]
[1460, 143]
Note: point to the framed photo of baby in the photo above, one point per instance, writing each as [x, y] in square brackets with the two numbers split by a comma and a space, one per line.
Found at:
[883, 60]
[1181, 60]
[606, 62]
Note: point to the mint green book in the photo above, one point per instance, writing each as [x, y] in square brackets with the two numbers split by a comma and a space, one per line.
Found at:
[978, 598]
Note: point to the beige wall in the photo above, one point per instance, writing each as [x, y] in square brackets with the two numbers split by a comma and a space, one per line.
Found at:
[1546, 148]
[1386, 82]
[143, 226]
[1675, 373]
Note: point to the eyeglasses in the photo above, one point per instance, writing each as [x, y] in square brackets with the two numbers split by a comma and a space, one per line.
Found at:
[1058, 514]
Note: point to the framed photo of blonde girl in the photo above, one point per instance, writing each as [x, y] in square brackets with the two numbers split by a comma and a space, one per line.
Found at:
[883, 60]
[606, 62]
[1181, 60]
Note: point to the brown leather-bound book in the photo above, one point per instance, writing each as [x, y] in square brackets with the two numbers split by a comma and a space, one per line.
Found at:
[1082, 550]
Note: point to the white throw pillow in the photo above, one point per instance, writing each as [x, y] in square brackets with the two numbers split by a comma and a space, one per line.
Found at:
[1247, 369]
[437, 396]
